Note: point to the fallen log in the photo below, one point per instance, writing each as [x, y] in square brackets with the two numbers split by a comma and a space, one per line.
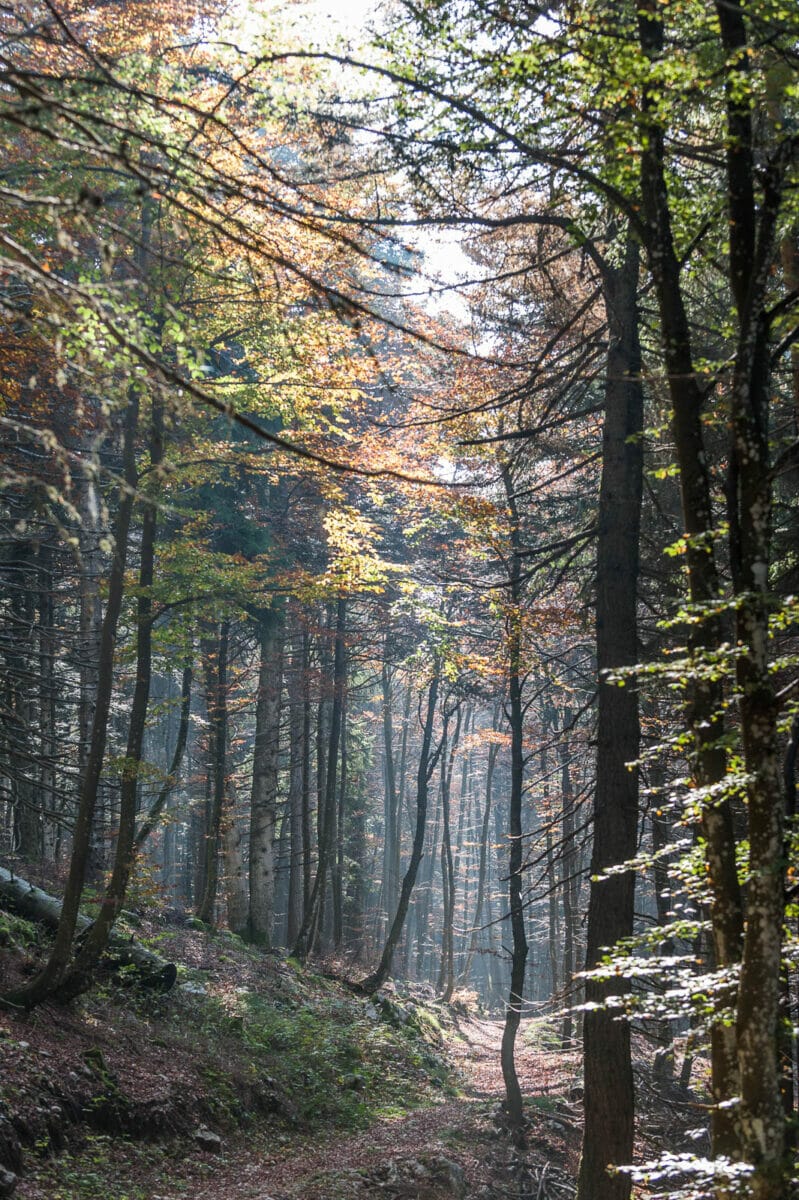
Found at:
[148, 970]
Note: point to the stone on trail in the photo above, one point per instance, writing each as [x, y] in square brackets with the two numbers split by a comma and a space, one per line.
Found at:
[206, 1139]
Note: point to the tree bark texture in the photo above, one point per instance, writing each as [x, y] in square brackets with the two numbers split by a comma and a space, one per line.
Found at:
[608, 1080]
[513, 1009]
[263, 799]
[215, 655]
[44, 984]
[312, 920]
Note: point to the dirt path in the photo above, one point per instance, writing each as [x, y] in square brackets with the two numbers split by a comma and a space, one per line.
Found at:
[461, 1131]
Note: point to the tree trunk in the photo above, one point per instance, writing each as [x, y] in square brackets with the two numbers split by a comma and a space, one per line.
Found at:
[265, 763]
[427, 763]
[44, 984]
[97, 938]
[337, 879]
[215, 656]
[568, 862]
[21, 897]
[167, 787]
[391, 856]
[608, 1079]
[513, 1010]
[236, 890]
[299, 850]
[482, 873]
[311, 925]
[48, 693]
[446, 975]
[706, 701]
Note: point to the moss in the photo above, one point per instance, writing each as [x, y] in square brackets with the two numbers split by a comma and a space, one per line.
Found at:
[16, 933]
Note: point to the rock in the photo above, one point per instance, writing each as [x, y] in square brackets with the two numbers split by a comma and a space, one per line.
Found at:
[371, 1013]
[193, 989]
[10, 1149]
[206, 1139]
[8, 1182]
[449, 1175]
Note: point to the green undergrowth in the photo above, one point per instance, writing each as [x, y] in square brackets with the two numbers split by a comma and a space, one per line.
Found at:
[252, 1046]
[17, 934]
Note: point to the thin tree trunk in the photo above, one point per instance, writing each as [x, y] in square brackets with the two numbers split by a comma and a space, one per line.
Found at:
[48, 980]
[168, 786]
[216, 656]
[236, 890]
[299, 850]
[567, 883]
[263, 801]
[47, 696]
[513, 1010]
[427, 763]
[482, 873]
[446, 976]
[391, 863]
[338, 864]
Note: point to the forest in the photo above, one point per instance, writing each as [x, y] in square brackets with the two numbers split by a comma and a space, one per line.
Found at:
[399, 592]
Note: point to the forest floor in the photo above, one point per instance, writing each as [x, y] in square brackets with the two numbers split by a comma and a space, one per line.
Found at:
[259, 1079]
[455, 1147]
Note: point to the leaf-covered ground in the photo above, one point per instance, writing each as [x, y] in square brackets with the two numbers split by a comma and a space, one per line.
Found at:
[259, 1079]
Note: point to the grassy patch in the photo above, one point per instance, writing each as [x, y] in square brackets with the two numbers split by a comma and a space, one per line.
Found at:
[16, 933]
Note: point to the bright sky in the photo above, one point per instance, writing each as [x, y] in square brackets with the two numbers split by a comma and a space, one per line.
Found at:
[329, 20]
[341, 25]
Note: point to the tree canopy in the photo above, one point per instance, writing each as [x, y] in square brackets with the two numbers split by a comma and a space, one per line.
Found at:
[398, 516]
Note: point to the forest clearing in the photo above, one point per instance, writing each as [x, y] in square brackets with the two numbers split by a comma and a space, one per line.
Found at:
[399, 676]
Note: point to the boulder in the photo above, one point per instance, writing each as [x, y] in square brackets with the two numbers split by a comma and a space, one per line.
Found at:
[206, 1139]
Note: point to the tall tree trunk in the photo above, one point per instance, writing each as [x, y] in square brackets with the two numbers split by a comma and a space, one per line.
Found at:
[216, 658]
[446, 976]
[114, 898]
[568, 882]
[337, 875]
[608, 1079]
[299, 850]
[233, 839]
[311, 925]
[263, 801]
[167, 787]
[48, 980]
[482, 871]
[424, 942]
[427, 764]
[20, 716]
[391, 856]
[744, 1056]
[513, 1010]
[356, 855]
[464, 813]
[48, 746]
[753, 245]
[90, 649]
